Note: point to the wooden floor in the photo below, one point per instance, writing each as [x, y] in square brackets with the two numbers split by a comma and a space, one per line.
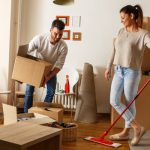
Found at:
[95, 129]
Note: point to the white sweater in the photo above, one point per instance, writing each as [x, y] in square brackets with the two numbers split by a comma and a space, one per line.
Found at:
[41, 47]
[129, 49]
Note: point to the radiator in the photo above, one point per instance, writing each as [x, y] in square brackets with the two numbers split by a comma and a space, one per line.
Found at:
[68, 102]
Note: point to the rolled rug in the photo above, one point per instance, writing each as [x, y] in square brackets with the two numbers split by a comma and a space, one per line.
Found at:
[86, 109]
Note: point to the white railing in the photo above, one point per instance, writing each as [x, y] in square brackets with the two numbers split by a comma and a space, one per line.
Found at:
[68, 101]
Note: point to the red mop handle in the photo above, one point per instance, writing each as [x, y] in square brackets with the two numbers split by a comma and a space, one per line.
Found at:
[139, 92]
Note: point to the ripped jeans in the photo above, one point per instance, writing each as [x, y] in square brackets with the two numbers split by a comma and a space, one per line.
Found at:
[125, 80]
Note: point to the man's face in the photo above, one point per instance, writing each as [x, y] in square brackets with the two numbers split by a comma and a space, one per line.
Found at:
[56, 35]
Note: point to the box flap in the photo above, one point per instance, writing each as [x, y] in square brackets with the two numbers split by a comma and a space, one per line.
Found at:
[45, 104]
[22, 51]
[10, 114]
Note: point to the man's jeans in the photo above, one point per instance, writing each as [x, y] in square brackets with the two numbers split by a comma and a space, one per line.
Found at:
[125, 80]
[28, 100]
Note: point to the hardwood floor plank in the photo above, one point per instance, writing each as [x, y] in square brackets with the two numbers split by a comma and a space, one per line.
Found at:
[95, 130]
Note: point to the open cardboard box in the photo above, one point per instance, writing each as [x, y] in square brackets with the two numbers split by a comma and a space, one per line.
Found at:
[28, 69]
[34, 118]
[54, 113]
[10, 116]
[52, 110]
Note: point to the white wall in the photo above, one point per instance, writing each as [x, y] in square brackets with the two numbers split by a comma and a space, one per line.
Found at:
[100, 22]
[5, 13]
[8, 38]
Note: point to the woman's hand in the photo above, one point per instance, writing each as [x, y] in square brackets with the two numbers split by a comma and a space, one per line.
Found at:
[107, 74]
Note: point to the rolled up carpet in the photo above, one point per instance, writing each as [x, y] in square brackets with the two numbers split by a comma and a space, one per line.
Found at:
[86, 109]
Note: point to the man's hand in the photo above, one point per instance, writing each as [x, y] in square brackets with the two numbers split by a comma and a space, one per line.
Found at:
[107, 74]
[51, 74]
[46, 78]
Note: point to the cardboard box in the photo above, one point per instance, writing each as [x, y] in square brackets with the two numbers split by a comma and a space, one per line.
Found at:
[146, 57]
[22, 51]
[146, 23]
[142, 107]
[1, 120]
[55, 113]
[30, 71]
[46, 104]
[30, 117]
[146, 62]
[34, 118]
[10, 116]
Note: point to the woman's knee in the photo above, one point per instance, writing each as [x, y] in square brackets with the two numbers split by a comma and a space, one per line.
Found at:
[114, 103]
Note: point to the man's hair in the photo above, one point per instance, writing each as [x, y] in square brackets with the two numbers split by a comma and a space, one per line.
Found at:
[58, 24]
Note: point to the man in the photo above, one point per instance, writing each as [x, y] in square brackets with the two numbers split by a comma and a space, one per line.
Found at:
[51, 48]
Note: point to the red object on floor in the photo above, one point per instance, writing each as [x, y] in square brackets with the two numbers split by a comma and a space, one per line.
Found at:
[103, 142]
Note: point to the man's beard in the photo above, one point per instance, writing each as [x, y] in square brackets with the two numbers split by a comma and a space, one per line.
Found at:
[54, 41]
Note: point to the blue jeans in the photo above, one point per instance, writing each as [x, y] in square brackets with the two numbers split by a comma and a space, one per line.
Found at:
[28, 100]
[125, 81]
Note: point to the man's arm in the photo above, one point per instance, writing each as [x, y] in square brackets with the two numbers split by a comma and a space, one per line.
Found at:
[51, 74]
[58, 64]
[34, 45]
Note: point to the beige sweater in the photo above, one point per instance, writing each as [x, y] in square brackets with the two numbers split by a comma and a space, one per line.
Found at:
[129, 49]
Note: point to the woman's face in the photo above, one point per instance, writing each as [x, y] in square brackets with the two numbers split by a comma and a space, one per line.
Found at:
[126, 19]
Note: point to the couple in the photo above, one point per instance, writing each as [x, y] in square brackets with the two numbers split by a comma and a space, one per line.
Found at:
[126, 56]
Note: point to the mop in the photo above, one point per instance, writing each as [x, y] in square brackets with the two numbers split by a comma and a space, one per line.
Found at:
[101, 139]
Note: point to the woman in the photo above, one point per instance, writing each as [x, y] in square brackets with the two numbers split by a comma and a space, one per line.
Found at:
[127, 57]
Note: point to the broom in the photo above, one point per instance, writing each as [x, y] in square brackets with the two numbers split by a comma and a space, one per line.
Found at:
[101, 139]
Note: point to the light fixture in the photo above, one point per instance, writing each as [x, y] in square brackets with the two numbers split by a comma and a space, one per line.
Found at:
[63, 2]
